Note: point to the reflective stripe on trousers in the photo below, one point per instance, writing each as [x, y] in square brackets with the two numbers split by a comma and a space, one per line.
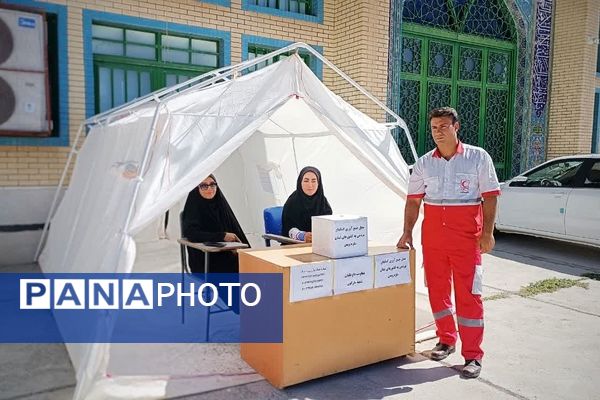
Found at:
[442, 314]
[447, 268]
[473, 323]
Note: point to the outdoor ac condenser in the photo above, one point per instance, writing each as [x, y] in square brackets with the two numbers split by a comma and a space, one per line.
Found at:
[24, 108]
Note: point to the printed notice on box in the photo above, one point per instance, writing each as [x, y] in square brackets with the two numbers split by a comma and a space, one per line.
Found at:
[350, 235]
[353, 274]
[311, 281]
[391, 269]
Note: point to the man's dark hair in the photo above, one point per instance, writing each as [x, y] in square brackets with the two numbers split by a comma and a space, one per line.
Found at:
[444, 112]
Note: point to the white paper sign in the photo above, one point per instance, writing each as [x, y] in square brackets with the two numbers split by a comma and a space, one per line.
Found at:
[353, 274]
[349, 235]
[311, 281]
[391, 269]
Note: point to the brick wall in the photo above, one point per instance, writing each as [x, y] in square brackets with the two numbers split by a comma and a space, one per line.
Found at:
[360, 47]
[353, 36]
[573, 77]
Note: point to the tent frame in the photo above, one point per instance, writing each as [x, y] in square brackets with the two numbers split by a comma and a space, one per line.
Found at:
[201, 81]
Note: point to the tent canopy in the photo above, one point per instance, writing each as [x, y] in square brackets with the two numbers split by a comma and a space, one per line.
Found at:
[255, 132]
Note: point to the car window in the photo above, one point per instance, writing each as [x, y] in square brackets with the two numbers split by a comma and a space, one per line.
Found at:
[560, 173]
[592, 178]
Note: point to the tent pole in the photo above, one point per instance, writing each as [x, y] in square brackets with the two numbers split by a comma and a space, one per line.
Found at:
[218, 74]
[57, 192]
[141, 171]
[80, 391]
[399, 121]
[151, 96]
[224, 72]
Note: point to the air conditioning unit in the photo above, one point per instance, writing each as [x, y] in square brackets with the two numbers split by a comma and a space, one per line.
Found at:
[23, 99]
[24, 96]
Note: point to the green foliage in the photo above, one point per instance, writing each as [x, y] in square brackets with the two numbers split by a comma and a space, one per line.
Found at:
[550, 286]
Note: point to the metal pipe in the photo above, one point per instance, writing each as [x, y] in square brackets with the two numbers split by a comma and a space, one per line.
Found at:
[56, 193]
[224, 72]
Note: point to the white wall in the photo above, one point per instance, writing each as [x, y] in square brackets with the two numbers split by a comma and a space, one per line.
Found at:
[22, 206]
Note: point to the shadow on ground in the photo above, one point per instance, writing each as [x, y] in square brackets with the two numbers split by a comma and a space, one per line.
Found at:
[549, 254]
[388, 378]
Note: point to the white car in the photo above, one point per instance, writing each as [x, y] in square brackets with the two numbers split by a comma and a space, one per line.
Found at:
[559, 199]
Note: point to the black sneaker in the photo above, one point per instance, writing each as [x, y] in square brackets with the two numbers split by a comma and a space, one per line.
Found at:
[471, 369]
[441, 351]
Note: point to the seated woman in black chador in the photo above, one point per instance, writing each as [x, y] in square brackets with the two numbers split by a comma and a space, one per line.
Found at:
[207, 217]
[308, 200]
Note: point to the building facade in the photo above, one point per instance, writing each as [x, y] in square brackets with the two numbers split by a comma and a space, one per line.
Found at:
[523, 74]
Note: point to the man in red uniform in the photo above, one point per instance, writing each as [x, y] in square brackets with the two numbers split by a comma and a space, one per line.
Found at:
[458, 184]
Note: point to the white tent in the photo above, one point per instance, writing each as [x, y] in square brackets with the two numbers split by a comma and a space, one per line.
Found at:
[255, 132]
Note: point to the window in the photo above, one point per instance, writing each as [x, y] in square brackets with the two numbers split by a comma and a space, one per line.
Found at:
[306, 10]
[294, 6]
[592, 178]
[130, 62]
[560, 173]
[257, 51]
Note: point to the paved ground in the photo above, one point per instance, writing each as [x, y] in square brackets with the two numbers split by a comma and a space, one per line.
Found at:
[544, 347]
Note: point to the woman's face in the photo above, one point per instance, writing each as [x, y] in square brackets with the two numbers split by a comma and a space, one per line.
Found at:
[310, 183]
[208, 188]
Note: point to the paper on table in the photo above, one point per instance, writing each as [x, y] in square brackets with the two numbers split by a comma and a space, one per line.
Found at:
[353, 274]
[391, 269]
[311, 281]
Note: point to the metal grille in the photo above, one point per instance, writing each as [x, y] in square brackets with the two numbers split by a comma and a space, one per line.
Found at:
[476, 17]
[438, 95]
[470, 64]
[411, 55]
[440, 60]
[495, 124]
[498, 68]
[469, 99]
[461, 66]
[417, 21]
[410, 92]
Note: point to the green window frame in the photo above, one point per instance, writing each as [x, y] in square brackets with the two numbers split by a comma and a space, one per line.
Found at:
[255, 51]
[304, 7]
[130, 62]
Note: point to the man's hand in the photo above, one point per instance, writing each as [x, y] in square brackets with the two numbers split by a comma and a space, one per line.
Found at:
[411, 213]
[487, 242]
[308, 237]
[231, 237]
[406, 241]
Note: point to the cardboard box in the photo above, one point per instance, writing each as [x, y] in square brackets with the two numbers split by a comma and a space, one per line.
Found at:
[339, 236]
[330, 334]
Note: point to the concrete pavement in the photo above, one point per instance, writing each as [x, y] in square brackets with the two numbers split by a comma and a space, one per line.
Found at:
[543, 347]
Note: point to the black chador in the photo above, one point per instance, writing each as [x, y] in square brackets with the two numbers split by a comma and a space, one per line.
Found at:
[207, 221]
[300, 207]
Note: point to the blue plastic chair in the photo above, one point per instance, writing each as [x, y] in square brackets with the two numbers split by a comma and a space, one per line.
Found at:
[273, 226]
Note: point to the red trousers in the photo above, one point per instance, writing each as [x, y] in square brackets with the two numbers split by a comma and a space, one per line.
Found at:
[463, 267]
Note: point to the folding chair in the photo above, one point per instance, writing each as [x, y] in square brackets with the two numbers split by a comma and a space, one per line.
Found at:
[185, 268]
